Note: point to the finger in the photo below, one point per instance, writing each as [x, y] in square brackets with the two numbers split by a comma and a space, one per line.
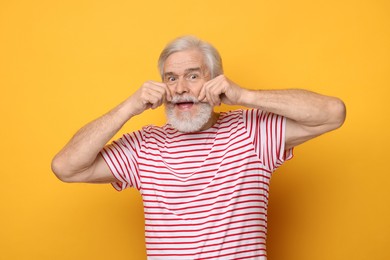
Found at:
[207, 90]
[213, 92]
[203, 92]
[168, 93]
[151, 95]
[163, 89]
[215, 99]
[210, 90]
[160, 89]
[156, 99]
[204, 100]
[202, 95]
[210, 96]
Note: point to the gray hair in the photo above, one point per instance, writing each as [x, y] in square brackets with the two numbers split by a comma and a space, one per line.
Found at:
[211, 55]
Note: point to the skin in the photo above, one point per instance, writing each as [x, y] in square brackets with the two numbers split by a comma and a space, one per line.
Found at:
[180, 64]
[308, 115]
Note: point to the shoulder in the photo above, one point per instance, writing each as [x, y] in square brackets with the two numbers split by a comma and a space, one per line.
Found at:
[228, 115]
[243, 115]
[243, 112]
[152, 130]
[231, 119]
[144, 133]
[157, 133]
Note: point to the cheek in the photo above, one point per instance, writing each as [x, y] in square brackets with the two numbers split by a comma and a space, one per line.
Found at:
[195, 90]
[171, 89]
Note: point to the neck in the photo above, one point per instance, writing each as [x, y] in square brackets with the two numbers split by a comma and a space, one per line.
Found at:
[213, 119]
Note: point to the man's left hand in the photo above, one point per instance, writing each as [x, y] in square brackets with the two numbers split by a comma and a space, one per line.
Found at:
[220, 90]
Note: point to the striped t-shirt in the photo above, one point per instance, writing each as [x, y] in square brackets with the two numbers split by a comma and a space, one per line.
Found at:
[205, 194]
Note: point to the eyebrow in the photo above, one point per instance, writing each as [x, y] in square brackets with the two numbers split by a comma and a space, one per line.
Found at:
[185, 72]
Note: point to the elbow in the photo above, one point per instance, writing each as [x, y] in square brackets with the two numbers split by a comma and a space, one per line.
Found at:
[338, 112]
[60, 170]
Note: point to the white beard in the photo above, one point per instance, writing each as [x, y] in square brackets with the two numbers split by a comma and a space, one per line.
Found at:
[185, 121]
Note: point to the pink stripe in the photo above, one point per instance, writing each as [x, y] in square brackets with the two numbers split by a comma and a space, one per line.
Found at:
[165, 224]
[213, 251]
[236, 253]
[207, 245]
[206, 234]
[210, 192]
[195, 190]
[240, 234]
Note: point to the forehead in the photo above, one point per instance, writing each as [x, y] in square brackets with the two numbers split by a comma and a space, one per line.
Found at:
[180, 61]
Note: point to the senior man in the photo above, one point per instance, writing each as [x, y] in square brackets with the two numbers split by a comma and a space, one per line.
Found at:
[204, 176]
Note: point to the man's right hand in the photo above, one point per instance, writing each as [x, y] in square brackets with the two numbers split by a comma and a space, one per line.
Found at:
[151, 94]
[79, 160]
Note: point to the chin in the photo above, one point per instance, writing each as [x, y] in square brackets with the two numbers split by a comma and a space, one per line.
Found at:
[189, 121]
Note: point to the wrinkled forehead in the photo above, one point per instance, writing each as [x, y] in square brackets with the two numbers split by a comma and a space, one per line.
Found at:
[182, 61]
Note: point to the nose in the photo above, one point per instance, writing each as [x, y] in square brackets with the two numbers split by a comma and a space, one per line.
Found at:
[181, 86]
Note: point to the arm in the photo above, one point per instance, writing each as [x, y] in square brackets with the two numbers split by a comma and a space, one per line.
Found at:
[308, 114]
[79, 160]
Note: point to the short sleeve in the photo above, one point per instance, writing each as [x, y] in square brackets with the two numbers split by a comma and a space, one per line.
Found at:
[121, 157]
[267, 132]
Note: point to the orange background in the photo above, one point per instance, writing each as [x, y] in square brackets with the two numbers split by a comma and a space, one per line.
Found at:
[64, 63]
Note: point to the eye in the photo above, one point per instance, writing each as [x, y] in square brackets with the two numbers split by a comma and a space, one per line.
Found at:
[171, 79]
[192, 77]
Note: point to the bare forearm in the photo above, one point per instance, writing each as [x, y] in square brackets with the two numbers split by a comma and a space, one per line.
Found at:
[81, 151]
[78, 161]
[308, 114]
[302, 106]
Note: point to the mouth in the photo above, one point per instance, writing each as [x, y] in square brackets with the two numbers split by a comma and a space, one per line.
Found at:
[184, 105]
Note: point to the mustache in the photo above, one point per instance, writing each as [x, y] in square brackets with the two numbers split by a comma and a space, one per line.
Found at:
[182, 99]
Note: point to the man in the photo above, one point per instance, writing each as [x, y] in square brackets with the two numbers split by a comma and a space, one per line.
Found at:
[204, 177]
